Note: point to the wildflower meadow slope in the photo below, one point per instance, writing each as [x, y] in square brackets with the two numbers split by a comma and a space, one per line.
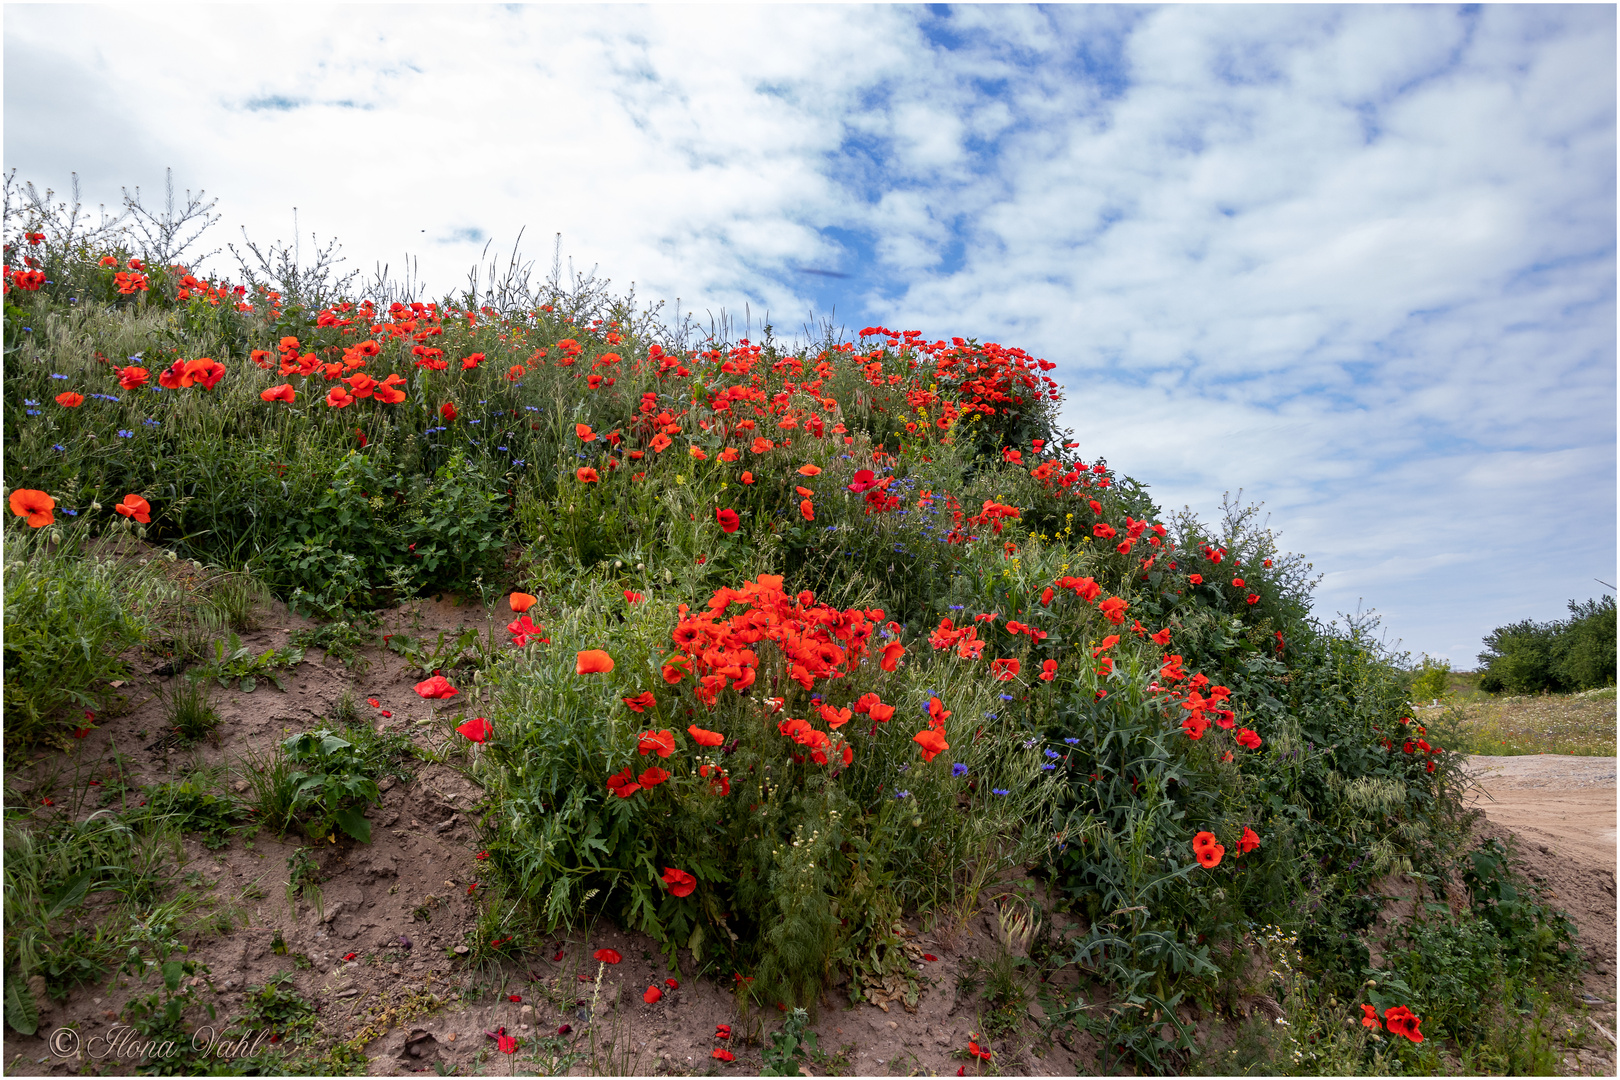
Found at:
[804, 638]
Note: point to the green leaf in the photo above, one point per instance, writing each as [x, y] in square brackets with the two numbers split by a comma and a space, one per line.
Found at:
[354, 823]
[172, 971]
[21, 1011]
[249, 684]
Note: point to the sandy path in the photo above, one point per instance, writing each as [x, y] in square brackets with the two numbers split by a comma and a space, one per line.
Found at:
[1562, 809]
[1564, 805]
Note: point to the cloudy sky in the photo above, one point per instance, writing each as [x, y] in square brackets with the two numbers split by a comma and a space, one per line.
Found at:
[1358, 262]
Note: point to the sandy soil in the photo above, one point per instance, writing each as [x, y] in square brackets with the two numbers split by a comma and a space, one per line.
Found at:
[1562, 810]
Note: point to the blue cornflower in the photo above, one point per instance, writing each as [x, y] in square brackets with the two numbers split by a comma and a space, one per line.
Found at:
[531, 408]
[502, 449]
[1005, 697]
[989, 716]
[29, 401]
[59, 448]
[956, 607]
[124, 433]
[476, 421]
[31, 412]
[902, 794]
[149, 422]
[69, 513]
[1052, 754]
[1072, 742]
[959, 769]
[998, 791]
[520, 462]
[1047, 768]
[64, 377]
[137, 356]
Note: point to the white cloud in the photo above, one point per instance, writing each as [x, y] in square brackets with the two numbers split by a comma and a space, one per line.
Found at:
[1358, 261]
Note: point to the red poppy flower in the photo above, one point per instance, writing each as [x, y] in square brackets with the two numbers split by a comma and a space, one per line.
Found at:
[677, 669]
[882, 713]
[1004, 670]
[522, 629]
[977, 1051]
[584, 432]
[673, 984]
[1113, 610]
[1048, 670]
[623, 783]
[338, 398]
[642, 701]
[930, 957]
[807, 510]
[1209, 854]
[36, 506]
[436, 687]
[1402, 1021]
[1248, 739]
[521, 602]
[284, 392]
[722, 1031]
[448, 411]
[593, 662]
[135, 507]
[679, 881]
[1248, 841]
[809, 470]
[1252, 599]
[482, 855]
[132, 378]
[1369, 1018]
[70, 400]
[661, 743]
[892, 652]
[705, 738]
[607, 956]
[728, 520]
[205, 370]
[932, 742]
[1162, 637]
[506, 1044]
[652, 777]
[747, 477]
[661, 442]
[722, 1054]
[349, 957]
[477, 729]
[514, 997]
[587, 475]
[1196, 579]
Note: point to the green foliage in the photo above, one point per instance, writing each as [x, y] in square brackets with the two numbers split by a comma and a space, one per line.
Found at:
[67, 620]
[792, 1046]
[194, 806]
[1430, 679]
[190, 714]
[235, 667]
[332, 783]
[278, 1006]
[1534, 941]
[1559, 657]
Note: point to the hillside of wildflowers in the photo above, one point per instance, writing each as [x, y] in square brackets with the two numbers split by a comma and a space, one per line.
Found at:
[801, 639]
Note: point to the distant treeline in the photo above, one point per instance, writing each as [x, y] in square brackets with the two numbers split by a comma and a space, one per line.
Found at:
[1574, 654]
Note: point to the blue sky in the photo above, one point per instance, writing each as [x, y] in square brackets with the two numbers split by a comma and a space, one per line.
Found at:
[1358, 262]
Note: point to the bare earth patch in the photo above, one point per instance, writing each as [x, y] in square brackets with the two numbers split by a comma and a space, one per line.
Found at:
[1561, 808]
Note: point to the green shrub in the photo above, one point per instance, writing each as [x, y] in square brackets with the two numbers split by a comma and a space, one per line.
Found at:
[1559, 657]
